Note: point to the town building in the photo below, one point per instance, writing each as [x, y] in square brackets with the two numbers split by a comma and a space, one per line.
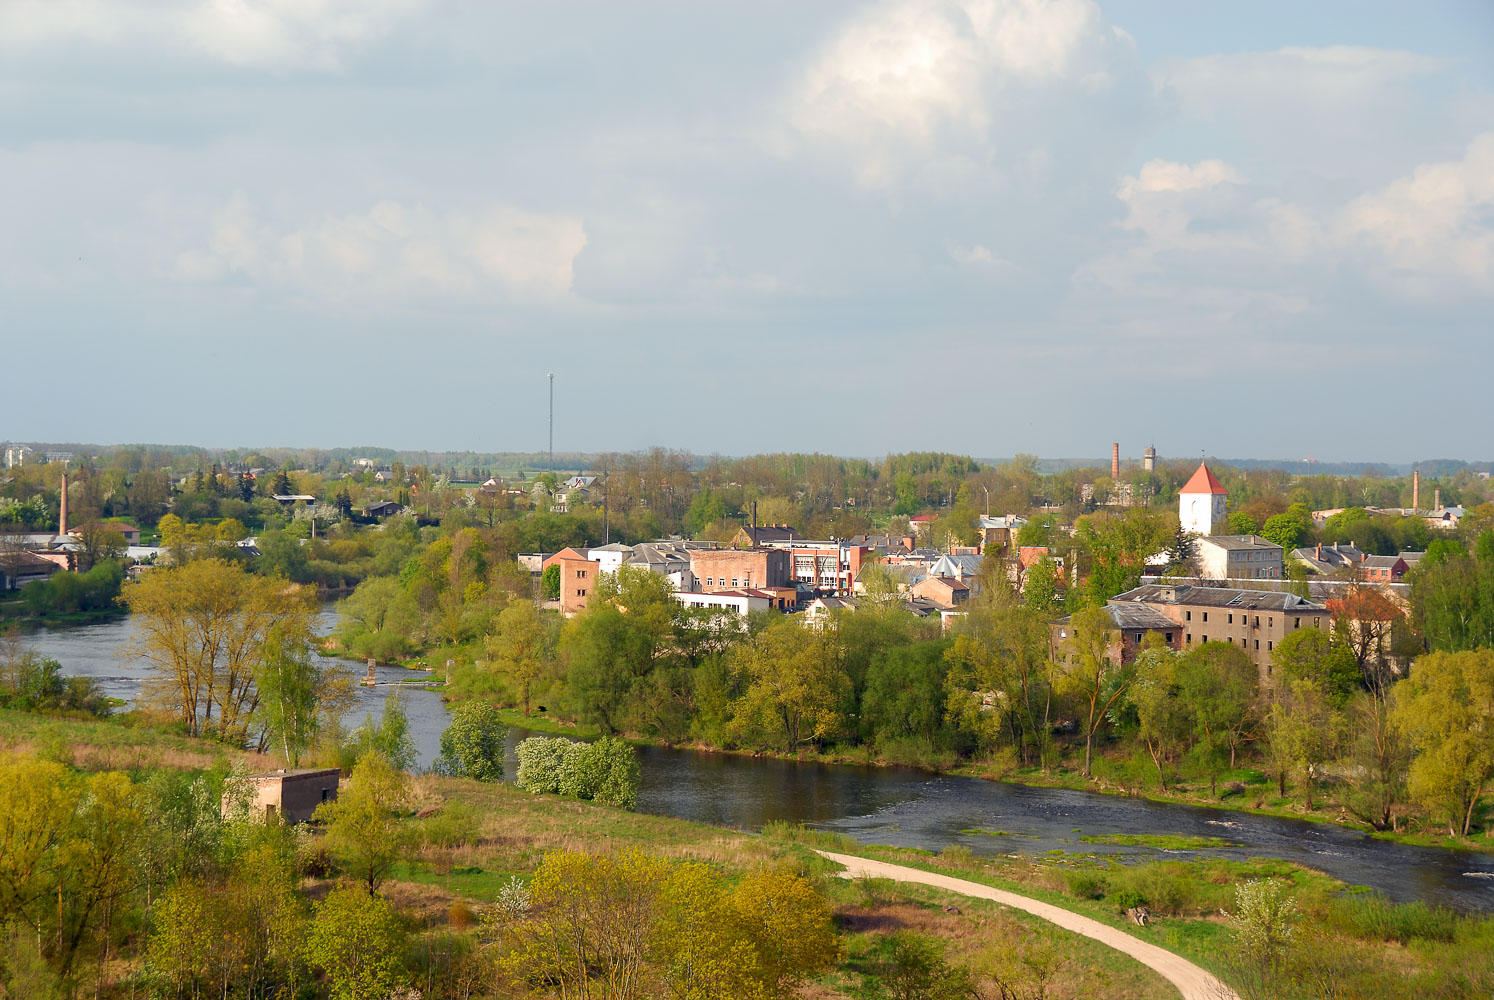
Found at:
[1256, 620]
[578, 578]
[381, 509]
[729, 568]
[997, 534]
[1132, 625]
[1201, 502]
[945, 592]
[740, 601]
[1238, 557]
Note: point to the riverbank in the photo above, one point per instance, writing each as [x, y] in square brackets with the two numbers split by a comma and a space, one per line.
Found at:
[1240, 783]
[16, 612]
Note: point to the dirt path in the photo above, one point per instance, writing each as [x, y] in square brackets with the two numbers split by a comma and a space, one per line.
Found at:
[1194, 983]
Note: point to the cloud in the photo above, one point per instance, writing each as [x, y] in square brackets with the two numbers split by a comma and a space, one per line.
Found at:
[913, 78]
[1433, 229]
[273, 35]
[392, 251]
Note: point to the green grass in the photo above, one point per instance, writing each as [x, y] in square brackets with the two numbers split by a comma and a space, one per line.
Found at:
[976, 831]
[1161, 841]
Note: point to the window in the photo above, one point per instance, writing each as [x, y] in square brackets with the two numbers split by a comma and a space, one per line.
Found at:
[1257, 644]
[1231, 619]
[1270, 622]
[733, 581]
[1138, 636]
[1187, 616]
[1203, 638]
[1268, 645]
[1188, 639]
[1206, 617]
[1296, 623]
[1169, 638]
[1230, 639]
[1317, 621]
[1257, 621]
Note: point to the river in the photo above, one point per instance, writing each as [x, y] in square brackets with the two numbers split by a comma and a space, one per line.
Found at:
[900, 806]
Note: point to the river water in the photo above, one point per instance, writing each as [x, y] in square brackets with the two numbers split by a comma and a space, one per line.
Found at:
[899, 806]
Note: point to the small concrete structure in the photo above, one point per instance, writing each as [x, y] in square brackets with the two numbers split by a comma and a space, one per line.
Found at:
[291, 796]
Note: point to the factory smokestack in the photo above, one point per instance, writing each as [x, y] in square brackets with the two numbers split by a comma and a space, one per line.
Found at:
[1416, 489]
[1115, 461]
[62, 511]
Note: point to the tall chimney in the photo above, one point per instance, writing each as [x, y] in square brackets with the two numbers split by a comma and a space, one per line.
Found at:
[1115, 461]
[62, 511]
[1416, 489]
[1437, 498]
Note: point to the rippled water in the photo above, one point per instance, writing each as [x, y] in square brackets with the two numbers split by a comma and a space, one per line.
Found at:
[902, 806]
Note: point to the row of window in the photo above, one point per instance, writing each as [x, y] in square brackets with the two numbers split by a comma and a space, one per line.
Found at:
[1317, 621]
[746, 581]
[1188, 641]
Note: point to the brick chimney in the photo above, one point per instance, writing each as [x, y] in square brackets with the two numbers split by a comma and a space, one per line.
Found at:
[1115, 460]
[1437, 498]
[62, 511]
[1416, 489]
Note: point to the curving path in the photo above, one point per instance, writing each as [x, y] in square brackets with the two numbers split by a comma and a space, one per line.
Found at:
[1193, 982]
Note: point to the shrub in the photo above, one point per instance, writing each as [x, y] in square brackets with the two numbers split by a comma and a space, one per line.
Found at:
[1155, 885]
[472, 746]
[605, 771]
[1265, 920]
[1085, 884]
[460, 915]
[958, 855]
[541, 762]
[1374, 916]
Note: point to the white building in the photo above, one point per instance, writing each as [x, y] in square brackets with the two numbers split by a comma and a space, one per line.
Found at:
[1238, 557]
[739, 601]
[1201, 502]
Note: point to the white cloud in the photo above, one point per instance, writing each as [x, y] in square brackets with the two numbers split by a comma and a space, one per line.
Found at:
[276, 35]
[1434, 228]
[911, 77]
[393, 251]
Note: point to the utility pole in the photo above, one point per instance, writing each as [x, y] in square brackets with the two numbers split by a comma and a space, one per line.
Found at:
[552, 420]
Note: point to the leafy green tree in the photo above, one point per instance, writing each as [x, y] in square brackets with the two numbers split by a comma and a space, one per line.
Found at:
[999, 678]
[1220, 686]
[517, 650]
[1041, 586]
[1452, 596]
[364, 830]
[281, 484]
[357, 940]
[472, 745]
[795, 685]
[1241, 523]
[1287, 530]
[1446, 707]
[1164, 722]
[389, 737]
[550, 582]
[288, 681]
[1313, 655]
[1093, 672]
[1119, 545]
[1301, 733]
[905, 692]
[1377, 755]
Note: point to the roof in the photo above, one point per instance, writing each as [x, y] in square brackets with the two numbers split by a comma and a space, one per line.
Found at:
[1204, 481]
[1133, 616]
[960, 565]
[300, 772]
[770, 533]
[1004, 521]
[1382, 562]
[282, 497]
[947, 581]
[1216, 597]
[1234, 542]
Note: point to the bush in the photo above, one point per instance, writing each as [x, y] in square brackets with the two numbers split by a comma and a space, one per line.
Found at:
[605, 771]
[456, 825]
[1085, 884]
[472, 746]
[1265, 920]
[1155, 885]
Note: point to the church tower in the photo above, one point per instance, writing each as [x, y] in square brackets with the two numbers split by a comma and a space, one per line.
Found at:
[1201, 502]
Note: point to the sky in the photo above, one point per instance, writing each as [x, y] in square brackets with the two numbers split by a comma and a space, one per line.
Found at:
[980, 226]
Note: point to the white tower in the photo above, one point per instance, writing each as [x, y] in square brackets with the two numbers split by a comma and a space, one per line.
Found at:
[1201, 502]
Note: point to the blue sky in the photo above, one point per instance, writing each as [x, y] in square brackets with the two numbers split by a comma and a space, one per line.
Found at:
[984, 226]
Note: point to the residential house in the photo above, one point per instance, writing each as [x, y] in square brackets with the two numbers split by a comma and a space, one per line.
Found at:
[960, 565]
[741, 601]
[749, 537]
[1383, 569]
[1238, 557]
[289, 500]
[1329, 560]
[578, 578]
[381, 509]
[997, 534]
[944, 591]
[129, 531]
[565, 553]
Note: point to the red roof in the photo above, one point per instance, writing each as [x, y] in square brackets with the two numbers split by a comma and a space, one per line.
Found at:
[1204, 481]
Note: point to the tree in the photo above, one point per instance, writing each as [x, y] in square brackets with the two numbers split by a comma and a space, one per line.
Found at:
[550, 582]
[1241, 523]
[472, 745]
[1119, 545]
[517, 651]
[1313, 655]
[363, 830]
[1452, 595]
[999, 675]
[1040, 587]
[1220, 686]
[1098, 678]
[356, 939]
[794, 684]
[1288, 530]
[344, 503]
[1300, 733]
[1377, 756]
[1446, 708]
[203, 627]
[905, 693]
[789, 926]
[1164, 722]
[390, 736]
[98, 542]
[288, 682]
[281, 484]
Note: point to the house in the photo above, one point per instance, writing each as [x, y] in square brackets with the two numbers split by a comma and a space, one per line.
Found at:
[1255, 619]
[749, 537]
[1000, 533]
[493, 484]
[1328, 560]
[534, 562]
[129, 531]
[609, 557]
[289, 500]
[739, 601]
[578, 578]
[382, 509]
[565, 553]
[944, 591]
[289, 796]
[578, 483]
[19, 567]
[1383, 569]
[723, 568]
[1445, 518]
[1132, 625]
[1238, 557]
[826, 567]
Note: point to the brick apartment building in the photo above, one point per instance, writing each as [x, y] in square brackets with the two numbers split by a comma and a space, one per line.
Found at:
[723, 569]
